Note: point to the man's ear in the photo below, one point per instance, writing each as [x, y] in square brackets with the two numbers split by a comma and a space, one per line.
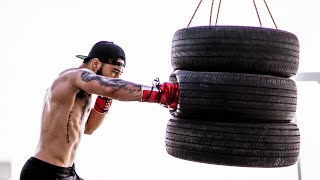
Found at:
[95, 64]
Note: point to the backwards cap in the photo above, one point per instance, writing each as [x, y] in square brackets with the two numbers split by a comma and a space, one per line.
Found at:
[106, 52]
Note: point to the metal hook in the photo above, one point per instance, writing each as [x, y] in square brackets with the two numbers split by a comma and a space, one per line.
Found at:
[156, 82]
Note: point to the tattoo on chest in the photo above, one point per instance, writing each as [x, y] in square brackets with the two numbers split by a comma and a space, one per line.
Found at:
[118, 83]
[68, 128]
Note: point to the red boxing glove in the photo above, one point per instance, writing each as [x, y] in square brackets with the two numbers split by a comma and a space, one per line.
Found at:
[166, 94]
[102, 104]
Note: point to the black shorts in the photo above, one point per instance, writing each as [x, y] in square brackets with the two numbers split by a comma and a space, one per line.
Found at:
[36, 169]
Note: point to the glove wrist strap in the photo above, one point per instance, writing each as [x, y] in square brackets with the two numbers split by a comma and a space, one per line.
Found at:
[102, 105]
[151, 94]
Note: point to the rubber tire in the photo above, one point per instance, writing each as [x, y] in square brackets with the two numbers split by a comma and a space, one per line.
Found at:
[233, 144]
[173, 78]
[241, 49]
[233, 96]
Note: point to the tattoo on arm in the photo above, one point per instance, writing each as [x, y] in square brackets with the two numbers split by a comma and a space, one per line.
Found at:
[117, 83]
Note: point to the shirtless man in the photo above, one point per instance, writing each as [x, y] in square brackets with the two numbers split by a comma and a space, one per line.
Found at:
[67, 111]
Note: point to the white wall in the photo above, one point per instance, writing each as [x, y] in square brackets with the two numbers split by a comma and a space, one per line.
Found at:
[38, 39]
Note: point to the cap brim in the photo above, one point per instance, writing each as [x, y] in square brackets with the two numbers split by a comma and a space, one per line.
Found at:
[81, 56]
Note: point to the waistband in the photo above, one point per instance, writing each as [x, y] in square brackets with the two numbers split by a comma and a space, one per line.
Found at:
[51, 167]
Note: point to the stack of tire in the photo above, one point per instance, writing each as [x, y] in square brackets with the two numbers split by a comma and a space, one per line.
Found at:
[237, 100]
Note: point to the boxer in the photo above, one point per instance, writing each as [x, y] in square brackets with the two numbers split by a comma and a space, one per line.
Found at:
[68, 111]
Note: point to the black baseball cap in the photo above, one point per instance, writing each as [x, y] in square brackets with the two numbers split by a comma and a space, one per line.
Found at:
[107, 52]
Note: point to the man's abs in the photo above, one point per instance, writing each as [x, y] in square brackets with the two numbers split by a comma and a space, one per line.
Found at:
[57, 152]
[62, 125]
[60, 135]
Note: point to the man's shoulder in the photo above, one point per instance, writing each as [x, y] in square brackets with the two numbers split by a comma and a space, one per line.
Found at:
[67, 70]
[76, 70]
[85, 69]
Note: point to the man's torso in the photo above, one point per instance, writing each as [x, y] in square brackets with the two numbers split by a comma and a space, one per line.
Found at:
[64, 114]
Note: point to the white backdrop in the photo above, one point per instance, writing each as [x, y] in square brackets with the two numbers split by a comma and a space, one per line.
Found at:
[38, 39]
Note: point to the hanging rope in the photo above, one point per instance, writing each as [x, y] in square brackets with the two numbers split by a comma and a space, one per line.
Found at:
[255, 6]
[194, 13]
[218, 11]
[270, 14]
[211, 12]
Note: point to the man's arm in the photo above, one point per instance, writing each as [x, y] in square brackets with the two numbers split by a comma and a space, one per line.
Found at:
[97, 114]
[94, 121]
[108, 87]
[166, 94]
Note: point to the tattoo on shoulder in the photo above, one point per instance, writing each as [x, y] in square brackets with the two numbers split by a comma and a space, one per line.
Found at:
[118, 83]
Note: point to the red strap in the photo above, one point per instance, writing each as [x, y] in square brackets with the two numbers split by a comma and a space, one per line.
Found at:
[102, 104]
